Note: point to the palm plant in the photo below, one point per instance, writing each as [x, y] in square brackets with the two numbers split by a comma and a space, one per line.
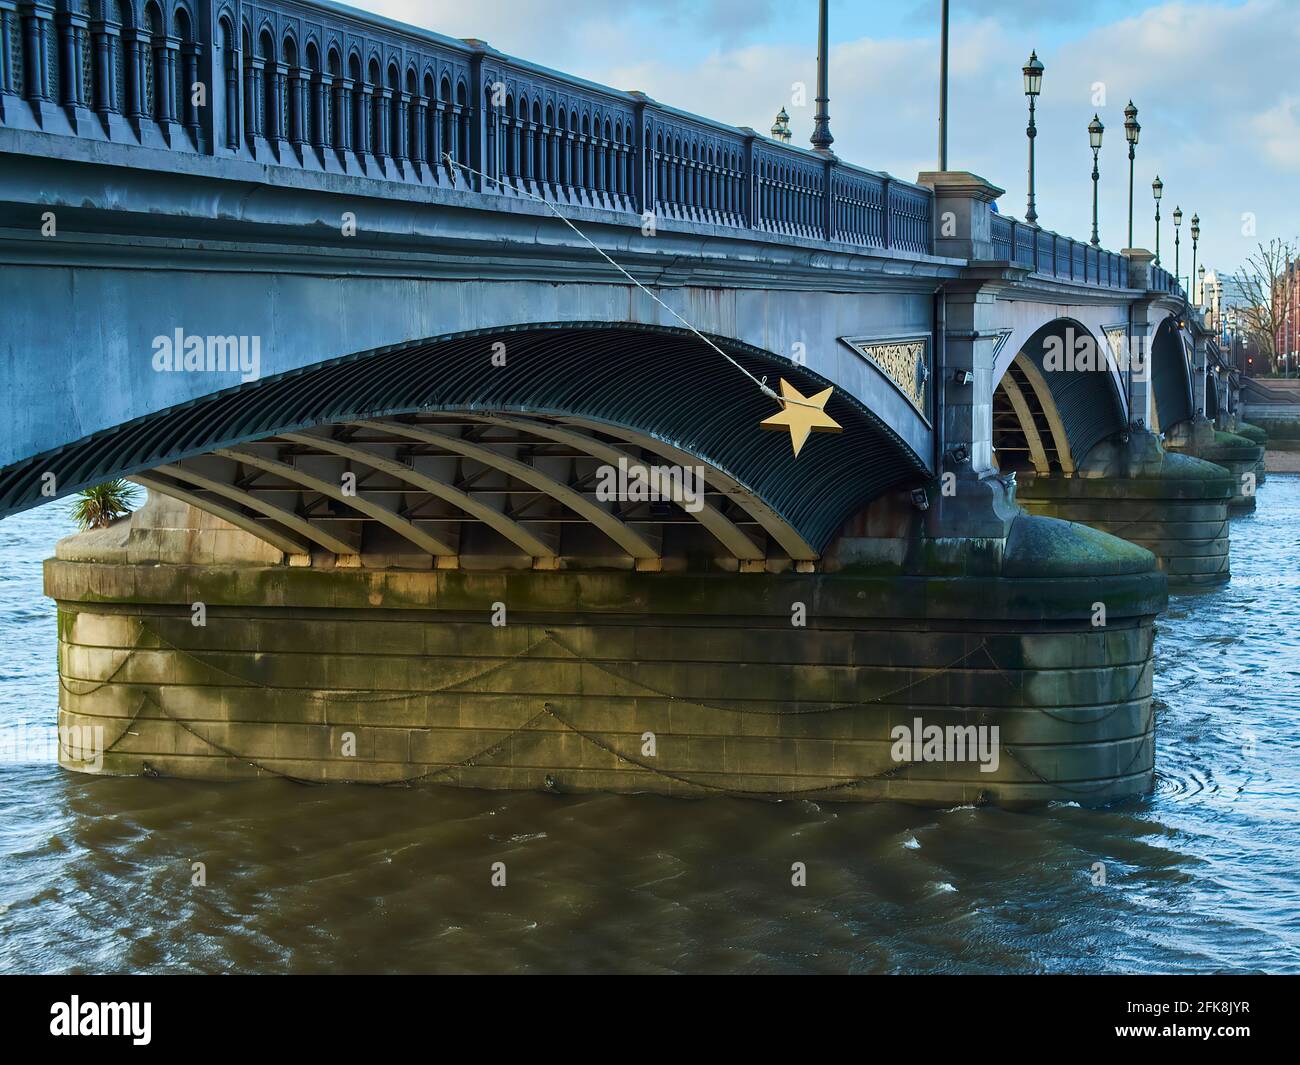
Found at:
[98, 507]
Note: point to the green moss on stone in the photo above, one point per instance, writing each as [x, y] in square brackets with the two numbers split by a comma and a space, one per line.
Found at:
[1048, 547]
[1253, 433]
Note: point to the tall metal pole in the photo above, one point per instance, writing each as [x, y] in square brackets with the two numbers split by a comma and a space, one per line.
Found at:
[1132, 152]
[1157, 232]
[1096, 129]
[943, 87]
[1031, 215]
[1132, 131]
[821, 135]
[1096, 176]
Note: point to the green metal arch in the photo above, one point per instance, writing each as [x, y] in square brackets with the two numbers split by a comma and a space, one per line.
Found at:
[1088, 401]
[1211, 396]
[1171, 379]
[659, 381]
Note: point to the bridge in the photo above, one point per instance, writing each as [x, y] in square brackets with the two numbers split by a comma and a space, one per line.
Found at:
[372, 313]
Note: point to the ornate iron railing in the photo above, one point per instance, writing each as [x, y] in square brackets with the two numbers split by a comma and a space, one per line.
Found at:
[1053, 255]
[320, 87]
[1163, 281]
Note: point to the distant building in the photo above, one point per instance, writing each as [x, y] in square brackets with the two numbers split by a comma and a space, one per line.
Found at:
[1212, 300]
[1287, 299]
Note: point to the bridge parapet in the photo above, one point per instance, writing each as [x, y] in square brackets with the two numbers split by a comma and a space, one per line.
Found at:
[320, 87]
[1053, 255]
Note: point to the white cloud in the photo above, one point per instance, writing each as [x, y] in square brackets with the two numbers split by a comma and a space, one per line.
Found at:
[1279, 130]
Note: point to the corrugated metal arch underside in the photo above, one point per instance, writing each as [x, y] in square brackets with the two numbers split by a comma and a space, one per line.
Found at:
[659, 381]
[1170, 378]
[1086, 400]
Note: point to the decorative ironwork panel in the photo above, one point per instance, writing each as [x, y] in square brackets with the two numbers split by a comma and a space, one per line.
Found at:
[85, 50]
[1116, 337]
[15, 71]
[905, 362]
[148, 65]
[117, 58]
[53, 60]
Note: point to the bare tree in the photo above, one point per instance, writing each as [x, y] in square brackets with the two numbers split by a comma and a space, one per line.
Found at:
[1268, 285]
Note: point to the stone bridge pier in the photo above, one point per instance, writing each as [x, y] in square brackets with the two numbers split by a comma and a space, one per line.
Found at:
[1090, 408]
[497, 508]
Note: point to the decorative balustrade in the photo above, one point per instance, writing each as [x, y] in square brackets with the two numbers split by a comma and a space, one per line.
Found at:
[320, 87]
[308, 84]
[1053, 255]
[1163, 281]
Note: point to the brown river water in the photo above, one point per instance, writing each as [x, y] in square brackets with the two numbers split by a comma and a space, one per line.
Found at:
[1201, 876]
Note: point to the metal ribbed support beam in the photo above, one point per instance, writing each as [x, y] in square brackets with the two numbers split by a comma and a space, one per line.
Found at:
[289, 520]
[430, 544]
[1046, 400]
[627, 538]
[238, 519]
[723, 528]
[495, 519]
[1037, 453]
[768, 519]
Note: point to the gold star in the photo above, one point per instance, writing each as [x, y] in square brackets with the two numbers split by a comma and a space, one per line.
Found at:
[802, 416]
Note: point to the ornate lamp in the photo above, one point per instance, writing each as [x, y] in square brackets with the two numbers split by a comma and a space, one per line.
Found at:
[1033, 71]
[1178, 221]
[1157, 190]
[781, 127]
[1095, 130]
[1131, 131]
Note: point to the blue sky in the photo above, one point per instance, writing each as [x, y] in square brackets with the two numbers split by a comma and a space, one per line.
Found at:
[1216, 84]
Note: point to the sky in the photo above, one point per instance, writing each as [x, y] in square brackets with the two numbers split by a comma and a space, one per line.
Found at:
[1217, 86]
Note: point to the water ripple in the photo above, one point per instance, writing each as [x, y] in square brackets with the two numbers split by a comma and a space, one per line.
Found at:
[97, 874]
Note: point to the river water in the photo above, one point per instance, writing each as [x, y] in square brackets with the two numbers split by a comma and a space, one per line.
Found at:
[1201, 876]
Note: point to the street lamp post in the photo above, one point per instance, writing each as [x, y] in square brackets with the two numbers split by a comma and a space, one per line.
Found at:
[1157, 190]
[1033, 71]
[1200, 277]
[1131, 131]
[1095, 130]
[1196, 237]
[943, 86]
[821, 135]
[1178, 221]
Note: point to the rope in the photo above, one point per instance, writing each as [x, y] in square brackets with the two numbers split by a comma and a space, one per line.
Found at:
[120, 666]
[472, 759]
[1064, 787]
[64, 749]
[320, 695]
[548, 636]
[1146, 731]
[775, 713]
[792, 793]
[1109, 713]
[228, 752]
[762, 385]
